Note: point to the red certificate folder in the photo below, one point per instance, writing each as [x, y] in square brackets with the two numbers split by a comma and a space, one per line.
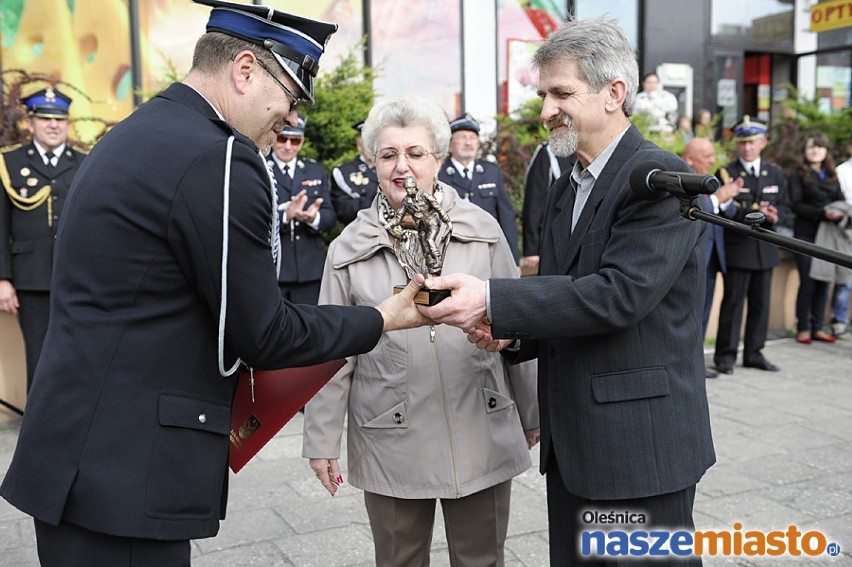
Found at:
[278, 395]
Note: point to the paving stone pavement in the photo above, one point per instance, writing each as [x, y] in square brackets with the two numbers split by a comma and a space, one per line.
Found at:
[783, 441]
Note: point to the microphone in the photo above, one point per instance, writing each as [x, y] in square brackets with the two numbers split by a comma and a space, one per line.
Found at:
[651, 183]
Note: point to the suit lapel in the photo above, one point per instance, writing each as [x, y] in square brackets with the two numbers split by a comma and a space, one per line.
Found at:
[599, 191]
[281, 180]
[63, 164]
[35, 163]
[298, 174]
[569, 249]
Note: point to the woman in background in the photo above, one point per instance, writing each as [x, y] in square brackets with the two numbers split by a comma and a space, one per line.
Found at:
[813, 186]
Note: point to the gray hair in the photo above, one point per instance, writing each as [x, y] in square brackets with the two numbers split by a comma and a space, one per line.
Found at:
[403, 111]
[601, 52]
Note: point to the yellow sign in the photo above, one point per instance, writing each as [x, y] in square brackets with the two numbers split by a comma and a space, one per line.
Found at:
[831, 15]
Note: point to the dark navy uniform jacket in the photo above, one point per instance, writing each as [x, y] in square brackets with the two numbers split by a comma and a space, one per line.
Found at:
[487, 190]
[741, 251]
[127, 425]
[353, 187]
[302, 247]
[30, 207]
[541, 173]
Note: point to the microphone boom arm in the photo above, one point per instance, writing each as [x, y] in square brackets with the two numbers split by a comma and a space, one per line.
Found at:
[689, 210]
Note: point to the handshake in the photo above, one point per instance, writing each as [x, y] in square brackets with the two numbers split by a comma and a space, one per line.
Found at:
[465, 308]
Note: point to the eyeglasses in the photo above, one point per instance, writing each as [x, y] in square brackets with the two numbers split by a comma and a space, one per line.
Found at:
[294, 140]
[414, 154]
[294, 100]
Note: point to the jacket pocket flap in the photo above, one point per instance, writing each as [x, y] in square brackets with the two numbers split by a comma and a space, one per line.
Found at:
[182, 410]
[633, 385]
[392, 419]
[495, 401]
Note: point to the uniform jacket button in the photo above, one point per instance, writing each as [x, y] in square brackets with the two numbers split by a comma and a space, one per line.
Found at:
[492, 402]
[397, 418]
[202, 418]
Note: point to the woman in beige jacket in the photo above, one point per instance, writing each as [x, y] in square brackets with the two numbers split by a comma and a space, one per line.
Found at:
[431, 416]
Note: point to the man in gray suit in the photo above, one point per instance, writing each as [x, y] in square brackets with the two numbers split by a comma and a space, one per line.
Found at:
[615, 316]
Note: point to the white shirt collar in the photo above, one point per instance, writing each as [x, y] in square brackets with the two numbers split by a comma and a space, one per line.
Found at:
[755, 164]
[460, 168]
[280, 164]
[43, 152]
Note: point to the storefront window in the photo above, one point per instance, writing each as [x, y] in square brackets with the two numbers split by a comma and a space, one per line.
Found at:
[625, 12]
[831, 77]
[416, 48]
[522, 26]
[728, 70]
[763, 21]
[835, 38]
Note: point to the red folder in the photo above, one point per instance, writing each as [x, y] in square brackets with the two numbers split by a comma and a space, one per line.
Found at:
[278, 395]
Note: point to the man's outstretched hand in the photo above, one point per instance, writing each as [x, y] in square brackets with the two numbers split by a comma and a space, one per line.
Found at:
[465, 307]
[399, 310]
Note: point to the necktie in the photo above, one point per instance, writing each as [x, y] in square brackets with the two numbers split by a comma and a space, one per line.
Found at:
[288, 180]
[49, 156]
[467, 179]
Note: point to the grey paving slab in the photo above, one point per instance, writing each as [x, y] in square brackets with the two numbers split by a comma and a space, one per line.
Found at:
[256, 554]
[783, 440]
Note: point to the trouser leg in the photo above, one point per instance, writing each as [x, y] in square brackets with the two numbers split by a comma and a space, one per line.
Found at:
[402, 529]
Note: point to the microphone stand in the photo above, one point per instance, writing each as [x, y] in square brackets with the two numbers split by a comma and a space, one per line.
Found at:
[689, 210]
[10, 407]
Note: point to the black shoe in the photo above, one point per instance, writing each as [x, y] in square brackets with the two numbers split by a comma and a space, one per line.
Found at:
[762, 365]
[724, 369]
[710, 374]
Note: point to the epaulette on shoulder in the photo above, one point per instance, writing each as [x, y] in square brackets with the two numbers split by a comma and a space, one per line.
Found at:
[11, 148]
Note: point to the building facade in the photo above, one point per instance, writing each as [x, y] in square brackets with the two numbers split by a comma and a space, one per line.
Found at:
[732, 57]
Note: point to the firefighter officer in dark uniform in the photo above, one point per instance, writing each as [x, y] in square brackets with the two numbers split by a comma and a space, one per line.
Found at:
[748, 279]
[478, 180]
[306, 212]
[354, 183]
[36, 178]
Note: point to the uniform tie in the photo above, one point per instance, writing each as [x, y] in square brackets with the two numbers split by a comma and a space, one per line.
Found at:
[286, 169]
[49, 156]
[467, 182]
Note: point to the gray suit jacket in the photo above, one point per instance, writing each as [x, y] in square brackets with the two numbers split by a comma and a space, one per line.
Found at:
[615, 320]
